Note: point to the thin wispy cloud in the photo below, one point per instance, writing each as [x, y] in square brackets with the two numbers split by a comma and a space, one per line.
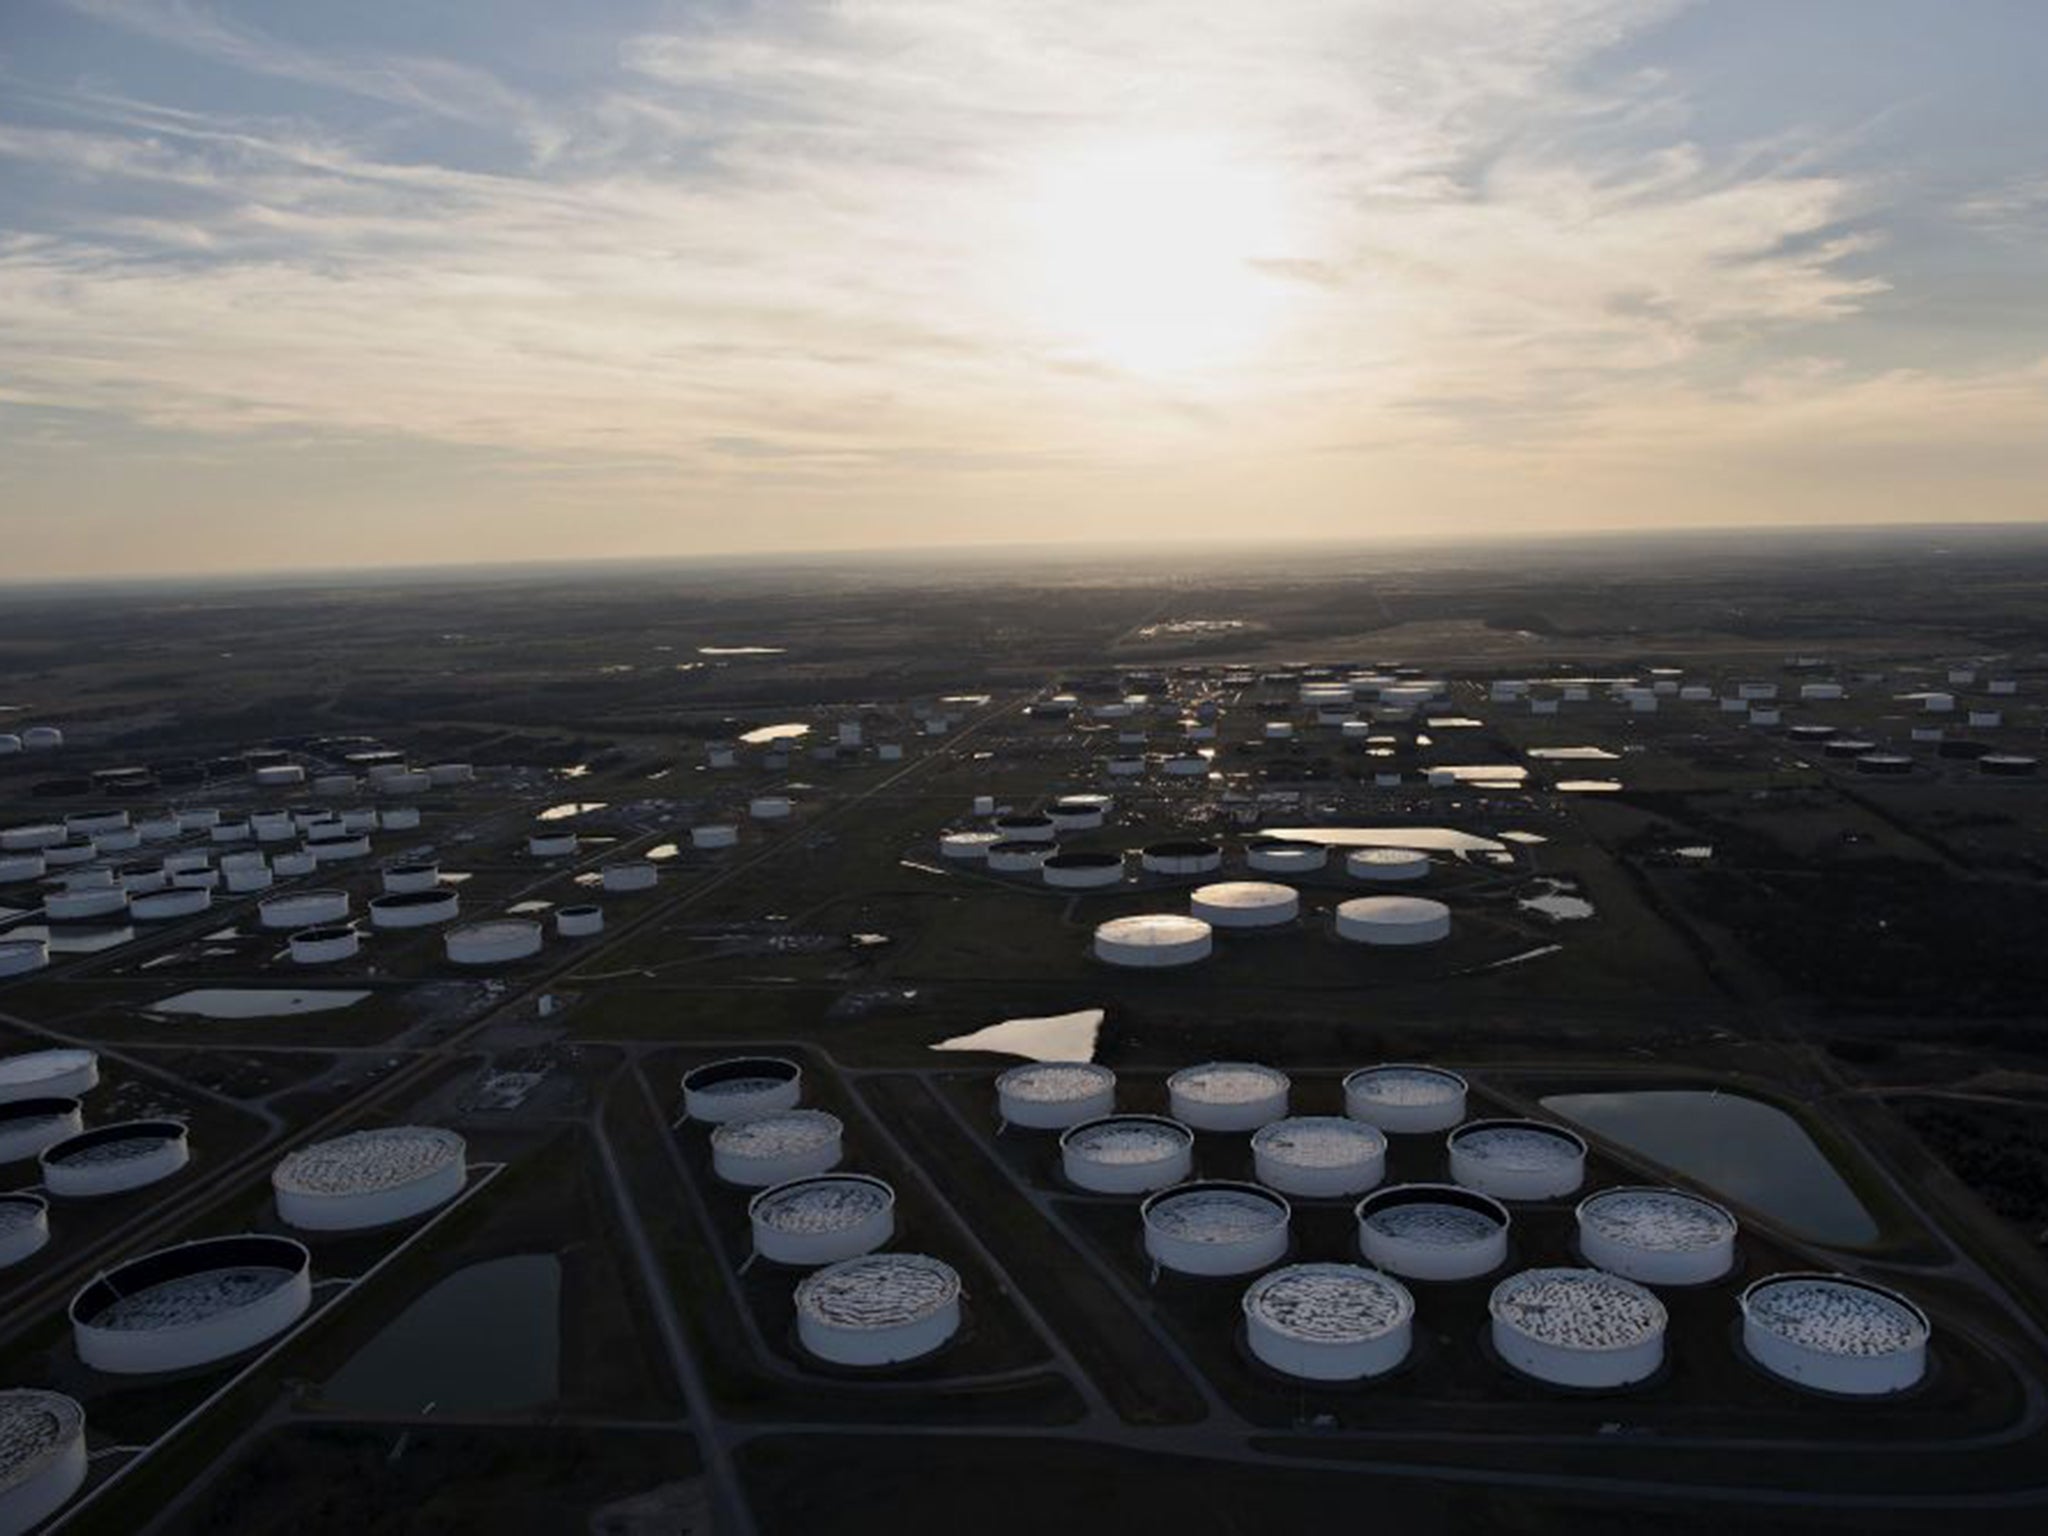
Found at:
[888, 269]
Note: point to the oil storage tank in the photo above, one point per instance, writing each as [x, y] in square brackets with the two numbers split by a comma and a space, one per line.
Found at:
[1053, 1095]
[192, 1304]
[1405, 1099]
[1245, 904]
[1438, 1232]
[304, 909]
[1127, 1154]
[1579, 1328]
[1282, 858]
[740, 1088]
[1393, 920]
[1181, 856]
[28, 1127]
[1657, 1236]
[1227, 1095]
[1215, 1227]
[495, 941]
[877, 1310]
[42, 1456]
[369, 1178]
[1834, 1333]
[1517, 1159]
[1153, 940]
[414, 909]
[113, 1159]
[24, 1231]
[1319, 1156]
[1387, 864]
[65, 1072]
[1328, 1322]
[765, 1150]
[18, 957]
[1082, 871]
[822, 1220]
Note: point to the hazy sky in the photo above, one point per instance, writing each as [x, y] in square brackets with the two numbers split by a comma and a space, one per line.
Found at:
[305, 282]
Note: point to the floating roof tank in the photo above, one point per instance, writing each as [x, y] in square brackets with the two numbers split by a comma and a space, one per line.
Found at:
[770, 1149]
[24, 839]
[1834, 1333]
[414, 875]
[42, 1456]
[628, 876]
[18, 957]
[1319, 1156]
[1403, 1098]
[1151, 940]
[714, 835]
[1019, 858]
[19, 868]
[2008, 765]
[1328, 1322]
[192, 1304]
[304, 909]
[1820, 692]
[968, 846]
[398, 818]
[880, 1309]
[494, 941]
[64, 1073]
[24, 1232]
[369, 1178]
[551, 844]
[83, 905]
[1052, 1095]
[1076, 816]
[1127, 1154]
[770, 807]
[1216, 1227]
[1517, 1159]
[1393, 920]
[28, 1127]
[825, 1219]
[1387, 864]
[1227, 1095]
[1082, 871]
[113, 1159]
[1578, 1327]
[740, 1088]
[1025, 827]
[1181, 856]
[324, 946]
[1245, 904]
[1286, 858]
[581, 921]
[1657, 1236]
[414, 909]
[42, 738]
[1433, 1231]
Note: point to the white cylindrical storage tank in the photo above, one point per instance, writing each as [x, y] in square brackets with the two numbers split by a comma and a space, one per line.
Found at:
[9, 744]
[1817, 692]
[1695, 693]
[16, 868]
[336, 785]
[741, 1088]
[1756, 690]
[551, 843]
[1404, 1099]
[399, 818]
[190, 862]
[1187, 765]
[1127, 1154]
[1433, 1231]
[1986, 718]
[984, 805]
[1245, 904]
[1734, 705]
[1152, 940]
[18, 957]
[24, 1232]
[92, 880]
[202, 818]
[42, 738]
[887, 752]
[29, 1127]
[2003, 685]
[1019, 858]
[1387, 864]
[1076, 815]
[1393, 920]
[324, 946]
[1126, 766]
[1962, 675]
[1025, 828]
[42, 1456]
[1216, 1227]
[1286, 858]
[968, 846]
[304, 909]
[419, 875]
[293, 864]
[1764, 716]
[279, 775]
[825, 1219]
[1328, 1322]
[414, 909]
[1319, 1157]
[714, 835]
[25, 839]
[494, 941]
[236, 831]
[579, 922]
[1227, 1095]
[192, 1304]
[1279, 730]
[142, 879]
[1834, 1333]
[1578, 1327]
[880, 1309]
[93, 823]
[113, 1159]
[1517, 1159]
[369, 1178]
[240, 879]
[166, 828]
[77, 906]
[1938, 703]
[69, 854]
[1181, 856]
[184, 900]
[127, 839]
[64, 1073]
[770, 807]
[414, 781]
[1082, 871]
[331, 848]
[1657, 1236]
[629, 876]
[1053, 1095]
[764, 1150]
[441, 775]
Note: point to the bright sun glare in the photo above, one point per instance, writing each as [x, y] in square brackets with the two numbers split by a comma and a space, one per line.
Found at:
[1146, 255]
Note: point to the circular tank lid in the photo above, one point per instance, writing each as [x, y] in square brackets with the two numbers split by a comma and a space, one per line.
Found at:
[118, 1142]
[881, 1290]
[19, 1114]
[740, 1074]
[1440, 1215]
[1245, 895]
[1228, 1082]
[363, 1162]
[778, 1135]
[504, 928]
[1055, 1082]
[1519, 1145]
[189, 1284]
[36, 1066]
[1329, 1303]
[1127, 1139]
[1404, 1085]
[1214, 1212]
[412, 898]
[1835, 1314]
[1657, 1220]
[35, 1428]
[1320, 1141]
[326, 935]
[1581, 1309]
[832, 1202]
[1153, 930]
[1395, 911]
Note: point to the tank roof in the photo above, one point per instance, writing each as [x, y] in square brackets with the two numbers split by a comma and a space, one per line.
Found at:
[1329, 1303]
[1584, 1309]
[1835, 1315]
[364, 1161]
[881, 1290]
[1657, 1220]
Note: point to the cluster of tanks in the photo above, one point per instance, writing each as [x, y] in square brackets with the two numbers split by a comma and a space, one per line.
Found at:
[858, 1306]
[1597, 1327]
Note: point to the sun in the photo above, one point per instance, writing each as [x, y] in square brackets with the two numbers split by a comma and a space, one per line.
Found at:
[1146, 255]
